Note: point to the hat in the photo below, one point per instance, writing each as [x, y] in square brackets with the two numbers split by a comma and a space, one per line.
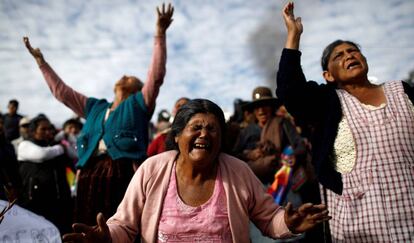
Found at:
[262, 96]
[163, 115]
[24, 121]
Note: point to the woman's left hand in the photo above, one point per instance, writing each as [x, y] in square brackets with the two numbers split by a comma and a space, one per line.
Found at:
[305, 217]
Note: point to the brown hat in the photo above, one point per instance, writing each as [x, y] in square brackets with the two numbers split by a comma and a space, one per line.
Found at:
[262, 96]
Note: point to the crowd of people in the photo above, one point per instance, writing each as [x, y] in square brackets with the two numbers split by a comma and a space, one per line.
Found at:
[320, 163]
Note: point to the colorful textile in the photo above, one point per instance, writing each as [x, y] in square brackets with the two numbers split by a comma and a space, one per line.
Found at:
[280, 186]
[102, 184]
[70, 176]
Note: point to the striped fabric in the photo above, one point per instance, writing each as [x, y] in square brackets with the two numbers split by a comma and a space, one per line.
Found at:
[377, 204]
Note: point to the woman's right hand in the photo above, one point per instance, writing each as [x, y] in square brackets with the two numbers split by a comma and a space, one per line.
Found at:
[91, 234]
[36, 53]
[294, 26]
[164, 18]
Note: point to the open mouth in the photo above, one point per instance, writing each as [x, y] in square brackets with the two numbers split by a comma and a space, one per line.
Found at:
[204, 145]
[353, 65]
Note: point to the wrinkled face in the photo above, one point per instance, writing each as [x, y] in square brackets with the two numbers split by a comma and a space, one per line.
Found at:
[346, 64]
[200, 140]
[127, 85]
[43, 131]
[263, 114]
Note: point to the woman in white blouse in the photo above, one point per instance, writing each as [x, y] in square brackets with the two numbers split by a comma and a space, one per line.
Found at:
[42, 167]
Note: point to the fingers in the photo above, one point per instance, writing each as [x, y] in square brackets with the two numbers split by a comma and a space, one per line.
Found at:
[81, 228]
[27, 43]
[305, 208]
[319, 215]
[163, 11]
[158, 11]
[289, 208]
[74, 237]
[324, 219]
[320, 206]
[101, 221]
[288, 9]
[170, 9]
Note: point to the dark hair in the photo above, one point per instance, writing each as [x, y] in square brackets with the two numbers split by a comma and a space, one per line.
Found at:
[326, 54]
[187, 111]
[163, 115]
[14, 102]
[34, 123]
[73, 121]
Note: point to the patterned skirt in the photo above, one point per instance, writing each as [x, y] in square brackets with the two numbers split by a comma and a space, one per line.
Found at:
[101, 186]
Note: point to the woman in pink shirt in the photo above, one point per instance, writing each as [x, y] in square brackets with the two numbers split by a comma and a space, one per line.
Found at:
[196, 193]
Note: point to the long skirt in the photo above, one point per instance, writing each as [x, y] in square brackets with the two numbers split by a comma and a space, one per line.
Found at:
[101, 186]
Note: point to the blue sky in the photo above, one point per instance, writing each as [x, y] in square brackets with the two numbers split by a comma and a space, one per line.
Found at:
[218, 49]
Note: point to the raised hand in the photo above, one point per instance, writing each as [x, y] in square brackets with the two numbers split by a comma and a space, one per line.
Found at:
[36, 53]
[305, 217]
[91, 234]
[164, 18]
[294, 26]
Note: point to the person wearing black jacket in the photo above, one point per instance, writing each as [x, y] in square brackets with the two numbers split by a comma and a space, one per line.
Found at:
[10, 181]
[42, 168]
[362, 143]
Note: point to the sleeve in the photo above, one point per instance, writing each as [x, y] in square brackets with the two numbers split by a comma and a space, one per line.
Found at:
[409, 90]
[304, 100]
[156, 73]
[65, 94]
[265, 214]
[28, 151]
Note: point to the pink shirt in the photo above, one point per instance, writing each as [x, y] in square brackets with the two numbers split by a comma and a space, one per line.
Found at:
[205, 223]
[77, 101]
[140, 211]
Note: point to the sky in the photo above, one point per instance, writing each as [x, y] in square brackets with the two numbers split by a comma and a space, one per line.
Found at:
[218, 49]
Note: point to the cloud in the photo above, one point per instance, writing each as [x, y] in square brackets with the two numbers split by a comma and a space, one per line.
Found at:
[217, 49]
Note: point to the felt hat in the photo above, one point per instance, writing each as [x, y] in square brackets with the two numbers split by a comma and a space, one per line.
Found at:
[262, 96]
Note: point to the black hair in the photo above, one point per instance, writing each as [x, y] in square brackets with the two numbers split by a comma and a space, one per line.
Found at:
[163, 115]
[187, 111]
[14, 102]
[34, 123]
[326, 54]
[73, 121]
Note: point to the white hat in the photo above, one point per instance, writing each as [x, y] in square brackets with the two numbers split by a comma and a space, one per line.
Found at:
[24, 121]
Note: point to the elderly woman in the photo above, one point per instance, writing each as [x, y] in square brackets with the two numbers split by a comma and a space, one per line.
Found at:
[115, 135]
[363, 143]
[195, 193]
